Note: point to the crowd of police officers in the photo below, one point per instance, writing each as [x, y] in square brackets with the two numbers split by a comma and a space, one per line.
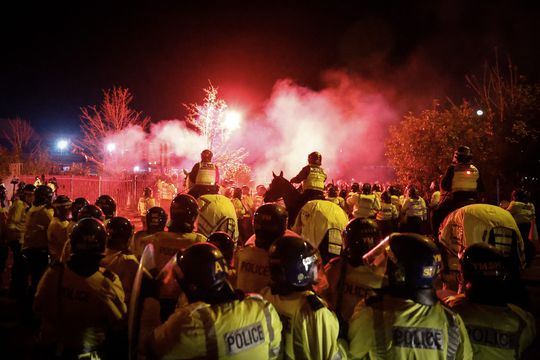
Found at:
[78, 270]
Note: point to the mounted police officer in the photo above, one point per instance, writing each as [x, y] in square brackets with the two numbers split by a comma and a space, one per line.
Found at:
[312, 177]
[204, 176]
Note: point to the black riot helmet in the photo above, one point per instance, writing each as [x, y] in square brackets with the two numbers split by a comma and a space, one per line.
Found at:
[88, 238]
[43, 195]
[520, 195]
[224, 243]
[204, 272]
[156, 219]
[293, 264]
[91, 211]
[359, 237]
[355, 187]
[269, 223]
[463, 155]
[376, 187]
[206, 155]
[411, 261]
[315, 158]
[107, 204]
[62, 206]
[184, 212]
[487, 274]
[119, 233]
[147, 192]
[366, 188]
[76, 206]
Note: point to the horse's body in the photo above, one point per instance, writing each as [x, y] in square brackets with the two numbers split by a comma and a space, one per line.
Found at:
[320, 222]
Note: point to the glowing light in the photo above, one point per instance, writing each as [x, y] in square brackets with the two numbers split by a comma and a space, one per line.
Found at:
[136, 168]
[111, 147]
[62, 144]
[468, 172]
[232, 120]
[479, 112]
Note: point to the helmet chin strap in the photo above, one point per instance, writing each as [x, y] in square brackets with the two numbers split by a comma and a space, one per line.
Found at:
[426, 296]
[221, 294]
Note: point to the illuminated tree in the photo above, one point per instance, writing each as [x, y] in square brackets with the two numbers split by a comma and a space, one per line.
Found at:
[421, 146]
[210, 121]
[114, 114]
[20, 135]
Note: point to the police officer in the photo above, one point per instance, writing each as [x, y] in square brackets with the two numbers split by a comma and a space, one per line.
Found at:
[76, 206]
[181, 234]
[225, 244]
[497, 328]
[407, 320]
[57, 233]
[460, 184]
[218, 322]
[413, 212]
[366, 204]
[252, 267]
[312, 177]
[310, 329]
[118, 258]
[348, 279]
[524, 213]
[35, 242]
[204, 176]
[387, 215]
[108, 205]
[156, 220]
[16, 225]
[88, 211]
[145, 203]
[79, 303]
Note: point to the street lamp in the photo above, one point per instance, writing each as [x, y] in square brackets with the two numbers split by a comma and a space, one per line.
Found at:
[111, 147]
[62, 144]
[479, 112]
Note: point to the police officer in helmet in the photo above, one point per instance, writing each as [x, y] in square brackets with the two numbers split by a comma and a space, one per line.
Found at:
[252, 268]
[498, 328]
[348, 279]
[310, 329]
[79, 303]
[108, 205]
[312, 177]
[204, 176]
[241, 325]
[156, 220]
[460, 185]
[181, 234]
[406, 320]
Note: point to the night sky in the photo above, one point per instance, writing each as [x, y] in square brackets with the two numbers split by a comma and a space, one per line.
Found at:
[55, 59]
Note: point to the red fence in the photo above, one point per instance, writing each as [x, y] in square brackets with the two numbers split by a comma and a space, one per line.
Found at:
[126, 191]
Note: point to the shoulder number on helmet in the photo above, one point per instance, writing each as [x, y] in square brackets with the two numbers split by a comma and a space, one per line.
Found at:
[244, 338]
[418, 338]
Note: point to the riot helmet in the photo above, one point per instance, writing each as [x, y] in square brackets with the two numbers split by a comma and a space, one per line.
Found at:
[520, 195]
[88, 237]
[412, 192]
[119, 233]
[147, 192]
[386, 197]
[366, 188]
[359, 237]
[332, 192]
[156, 219]
[463, 155]
[43, 195]
[315, 158]
[76, 206]
[206, 155]
[28, 193]
[224, 243]
[487, 274]
[293, 264]
[184, 212]
[355, 187]
[269, 223]
[91, 211]
[410, 261]
[203, 271]
[107, 204]
[62, 206]
[376, 187]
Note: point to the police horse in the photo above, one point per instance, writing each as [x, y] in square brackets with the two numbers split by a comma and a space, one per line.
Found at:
[320, 222]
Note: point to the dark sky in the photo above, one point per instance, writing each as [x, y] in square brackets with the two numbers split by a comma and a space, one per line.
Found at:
[55, 59]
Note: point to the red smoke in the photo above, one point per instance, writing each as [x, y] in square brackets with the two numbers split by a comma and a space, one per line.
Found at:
[346, 121]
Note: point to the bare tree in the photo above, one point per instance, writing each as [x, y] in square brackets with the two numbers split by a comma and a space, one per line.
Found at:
[114, 114]
[19, 134]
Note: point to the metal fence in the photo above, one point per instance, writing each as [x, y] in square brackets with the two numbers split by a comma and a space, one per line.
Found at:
[126, 191]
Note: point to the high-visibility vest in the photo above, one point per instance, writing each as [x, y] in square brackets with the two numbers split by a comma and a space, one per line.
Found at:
[465, 178]
[315, 179]
[252, 269]
[206, 174]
